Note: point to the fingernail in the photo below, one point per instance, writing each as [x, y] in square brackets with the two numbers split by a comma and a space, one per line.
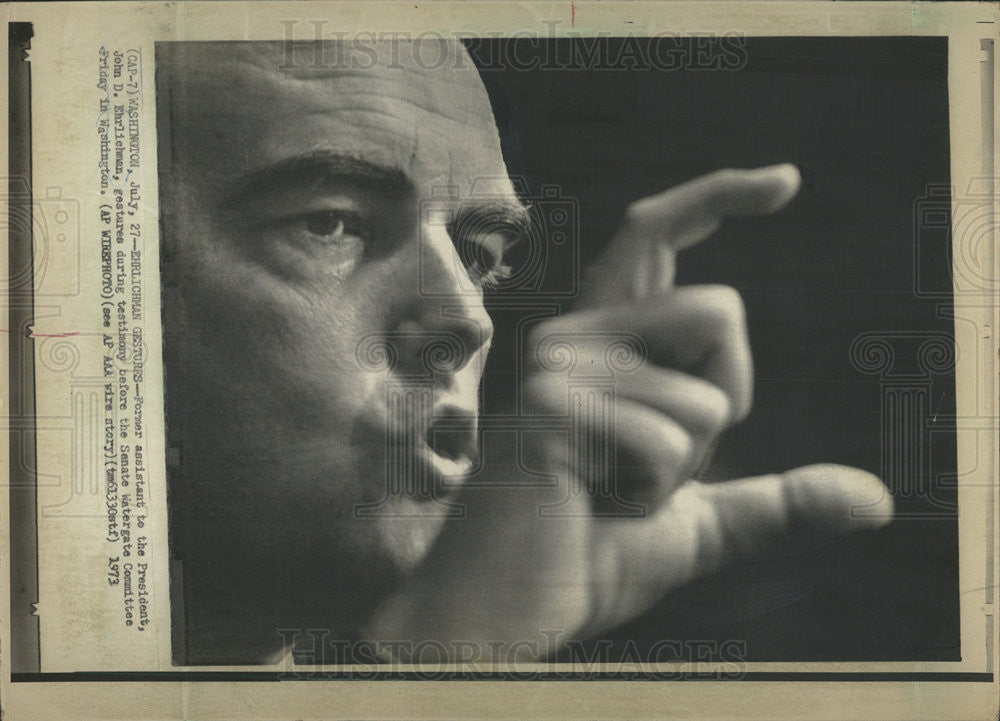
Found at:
[787, 174]
[873, 505]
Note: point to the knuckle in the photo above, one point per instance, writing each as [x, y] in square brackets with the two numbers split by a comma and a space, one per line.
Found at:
[674, 445]
[637, 211]
[742, 409]
[724, 306]
[715, 410]
[633, 212]
[725, 176]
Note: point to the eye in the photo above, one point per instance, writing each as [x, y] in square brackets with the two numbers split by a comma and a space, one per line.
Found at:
[331, 226]
[321, 231]
[483, 257]
[483, 235]
[313, 241]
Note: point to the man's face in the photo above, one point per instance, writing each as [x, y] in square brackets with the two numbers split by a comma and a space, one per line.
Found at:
[330, 326]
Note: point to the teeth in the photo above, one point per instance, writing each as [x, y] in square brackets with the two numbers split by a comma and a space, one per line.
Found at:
[452, 467]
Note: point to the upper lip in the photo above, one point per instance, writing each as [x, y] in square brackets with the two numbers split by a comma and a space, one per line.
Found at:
[430, 455]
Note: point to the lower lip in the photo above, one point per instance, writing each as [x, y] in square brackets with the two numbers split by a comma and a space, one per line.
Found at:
[424, 474]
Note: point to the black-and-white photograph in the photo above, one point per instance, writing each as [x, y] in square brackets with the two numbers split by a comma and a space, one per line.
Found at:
[577, 350]
[588, 359]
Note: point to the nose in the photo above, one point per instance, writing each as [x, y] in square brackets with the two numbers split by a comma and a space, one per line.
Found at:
[444, 324]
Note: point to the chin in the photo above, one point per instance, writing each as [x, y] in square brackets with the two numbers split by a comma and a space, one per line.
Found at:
[407, 538]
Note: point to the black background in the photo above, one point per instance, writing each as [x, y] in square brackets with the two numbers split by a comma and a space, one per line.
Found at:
[866, 120]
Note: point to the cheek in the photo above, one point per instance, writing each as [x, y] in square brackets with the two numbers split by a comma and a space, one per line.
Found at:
[284, 356]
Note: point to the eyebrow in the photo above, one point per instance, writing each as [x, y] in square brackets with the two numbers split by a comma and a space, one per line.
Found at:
[316, 168]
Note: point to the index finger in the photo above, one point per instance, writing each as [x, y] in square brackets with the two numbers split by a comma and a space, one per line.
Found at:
[688, 213]
[662, 224]
[639, 261]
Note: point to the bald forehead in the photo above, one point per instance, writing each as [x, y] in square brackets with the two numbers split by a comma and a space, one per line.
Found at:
[419, 106]
[435, 73]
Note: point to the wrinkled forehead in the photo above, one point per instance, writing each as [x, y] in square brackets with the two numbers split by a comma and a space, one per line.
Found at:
[419, 107]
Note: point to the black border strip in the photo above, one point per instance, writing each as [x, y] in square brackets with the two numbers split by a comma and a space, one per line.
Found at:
[429, 675]
[24, 625]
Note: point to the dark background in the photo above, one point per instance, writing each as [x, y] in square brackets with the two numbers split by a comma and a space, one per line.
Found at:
[866, 120]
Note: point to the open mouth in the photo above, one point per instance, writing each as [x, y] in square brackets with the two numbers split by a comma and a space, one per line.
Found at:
[452, 439]
[452, 436]
[430, 457]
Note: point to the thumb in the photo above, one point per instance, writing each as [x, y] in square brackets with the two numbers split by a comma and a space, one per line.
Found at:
[705, 526]
[807, 505]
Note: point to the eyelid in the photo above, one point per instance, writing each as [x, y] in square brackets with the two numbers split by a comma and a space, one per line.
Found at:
[491, 278]
[322, 203]
[467, 238]
[352, 216]
[485, 240]
[501, 218]
[292, 201]
[291, 231]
